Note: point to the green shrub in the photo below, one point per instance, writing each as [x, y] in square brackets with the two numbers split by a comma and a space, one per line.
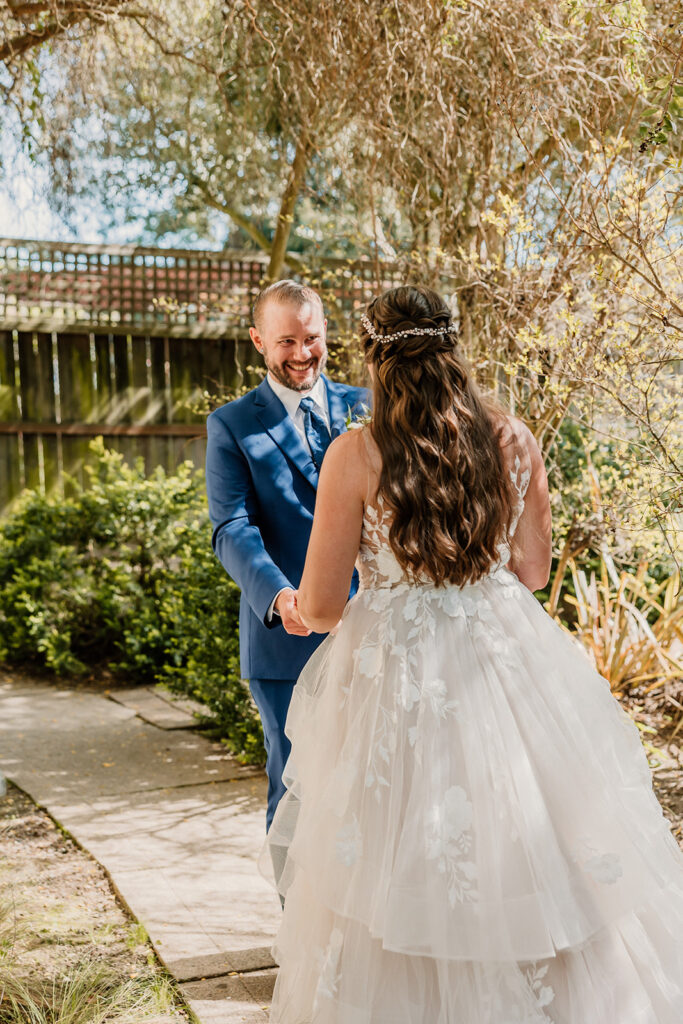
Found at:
[123, 571]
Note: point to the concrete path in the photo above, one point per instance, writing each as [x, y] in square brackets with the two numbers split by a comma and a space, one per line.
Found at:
[173, 818]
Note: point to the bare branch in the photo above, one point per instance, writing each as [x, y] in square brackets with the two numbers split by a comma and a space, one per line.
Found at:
[67, 15]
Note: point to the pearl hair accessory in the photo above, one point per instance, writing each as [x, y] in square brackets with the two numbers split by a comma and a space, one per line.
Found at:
[385, 338]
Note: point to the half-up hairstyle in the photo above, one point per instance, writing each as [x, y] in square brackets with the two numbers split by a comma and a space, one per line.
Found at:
[442, 467]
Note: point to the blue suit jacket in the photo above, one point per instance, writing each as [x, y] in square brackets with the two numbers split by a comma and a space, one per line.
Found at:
[261, 482]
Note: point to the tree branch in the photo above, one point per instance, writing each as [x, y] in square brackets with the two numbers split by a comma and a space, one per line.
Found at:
[30, 10]
[242, 221]
[33, 38]
[278, 253]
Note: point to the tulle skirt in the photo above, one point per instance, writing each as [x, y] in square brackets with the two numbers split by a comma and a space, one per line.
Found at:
[470, 834]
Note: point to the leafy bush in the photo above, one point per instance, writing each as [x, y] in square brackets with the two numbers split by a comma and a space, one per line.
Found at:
[602, 492]
[123, 571]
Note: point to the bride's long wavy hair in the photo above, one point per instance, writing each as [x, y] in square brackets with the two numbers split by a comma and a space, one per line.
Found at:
[439, 438]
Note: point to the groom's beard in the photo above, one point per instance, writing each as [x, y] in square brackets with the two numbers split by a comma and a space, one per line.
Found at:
[294, 383]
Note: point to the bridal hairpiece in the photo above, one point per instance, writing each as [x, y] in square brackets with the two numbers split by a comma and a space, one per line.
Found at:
[385, 338]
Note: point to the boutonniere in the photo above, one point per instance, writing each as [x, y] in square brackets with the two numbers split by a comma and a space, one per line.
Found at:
[356, 420]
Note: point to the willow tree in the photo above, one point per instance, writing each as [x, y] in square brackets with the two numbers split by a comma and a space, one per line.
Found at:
[519, 153]
[240, 109]
[532, 149]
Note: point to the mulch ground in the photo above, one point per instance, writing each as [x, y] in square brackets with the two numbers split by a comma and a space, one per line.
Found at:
[660, 717]
[58, 909]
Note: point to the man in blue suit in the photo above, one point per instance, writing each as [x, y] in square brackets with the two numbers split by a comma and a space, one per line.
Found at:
[264, 453]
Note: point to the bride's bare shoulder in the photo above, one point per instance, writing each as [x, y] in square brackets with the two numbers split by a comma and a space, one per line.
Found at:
[350, 443]
[515, 437]
[511, 430]
[355, 460]
[348, 453]
[357, 443]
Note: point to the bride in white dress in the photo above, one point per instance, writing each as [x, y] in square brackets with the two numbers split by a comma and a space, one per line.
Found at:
[470, 834]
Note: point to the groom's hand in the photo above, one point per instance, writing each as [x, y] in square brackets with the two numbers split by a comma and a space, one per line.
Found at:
[286, 608]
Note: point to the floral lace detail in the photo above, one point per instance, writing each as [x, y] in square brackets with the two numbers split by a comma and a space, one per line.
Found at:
[604, 868]
[520, 481]
[543, 993]
[449, 840]
[417, 694]
[527, 1005]
[349, 844]
[330, 975]
[381, 581]
[413, 618]
[383, 743]
[376, 563]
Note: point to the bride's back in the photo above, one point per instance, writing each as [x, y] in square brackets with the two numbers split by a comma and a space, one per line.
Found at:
[377, 564]
[449, 465]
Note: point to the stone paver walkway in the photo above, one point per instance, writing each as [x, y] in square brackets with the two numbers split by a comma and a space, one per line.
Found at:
[175, 820]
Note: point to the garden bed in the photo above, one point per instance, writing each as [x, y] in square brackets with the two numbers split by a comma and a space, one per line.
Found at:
[659, 718]
[69, 952]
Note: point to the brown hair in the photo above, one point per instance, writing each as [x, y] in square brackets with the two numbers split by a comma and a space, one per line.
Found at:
[442, 467]
[283, 291]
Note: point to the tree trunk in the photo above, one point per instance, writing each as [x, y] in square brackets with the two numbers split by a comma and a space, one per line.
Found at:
[285, 218]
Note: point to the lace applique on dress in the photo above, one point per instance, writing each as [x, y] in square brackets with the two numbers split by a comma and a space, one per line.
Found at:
[449, 841]
[376, 563]
[520, 481]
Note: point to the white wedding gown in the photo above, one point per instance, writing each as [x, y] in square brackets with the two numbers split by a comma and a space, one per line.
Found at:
[470, 834]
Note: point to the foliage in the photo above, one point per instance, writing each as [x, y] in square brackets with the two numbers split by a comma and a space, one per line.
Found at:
[124, 571]
[27, 27]
[603, 498]
[355, 127]
[519, 155]
[92, 994]
[11, 928]
[630, 629]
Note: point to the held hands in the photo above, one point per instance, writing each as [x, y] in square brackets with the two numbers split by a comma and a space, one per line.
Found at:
[286, 608]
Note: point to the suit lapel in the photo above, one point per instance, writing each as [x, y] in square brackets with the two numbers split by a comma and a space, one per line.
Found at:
[277, 422]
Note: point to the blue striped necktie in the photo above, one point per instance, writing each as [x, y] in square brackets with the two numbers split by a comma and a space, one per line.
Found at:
[317, 434]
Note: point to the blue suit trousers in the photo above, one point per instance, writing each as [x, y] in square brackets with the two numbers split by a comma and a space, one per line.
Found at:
[272, 697]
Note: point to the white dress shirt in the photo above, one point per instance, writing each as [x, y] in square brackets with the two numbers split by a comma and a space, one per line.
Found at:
[292, 403]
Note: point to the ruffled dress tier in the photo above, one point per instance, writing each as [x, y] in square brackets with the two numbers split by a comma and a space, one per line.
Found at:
[470, 834]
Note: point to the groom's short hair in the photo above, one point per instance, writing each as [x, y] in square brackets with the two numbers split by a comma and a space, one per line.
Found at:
[283, 291]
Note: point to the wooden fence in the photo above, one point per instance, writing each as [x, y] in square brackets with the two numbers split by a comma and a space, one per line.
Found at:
[58, 390]
[122, 342]
[55, 285]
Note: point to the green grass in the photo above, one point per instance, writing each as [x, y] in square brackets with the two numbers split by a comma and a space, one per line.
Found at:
[90, 994]
[137, 935]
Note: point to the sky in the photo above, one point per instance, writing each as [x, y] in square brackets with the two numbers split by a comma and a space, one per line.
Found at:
[23, 214]
[25, 211]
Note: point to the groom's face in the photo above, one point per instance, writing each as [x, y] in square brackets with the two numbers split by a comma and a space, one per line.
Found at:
[292, 341]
